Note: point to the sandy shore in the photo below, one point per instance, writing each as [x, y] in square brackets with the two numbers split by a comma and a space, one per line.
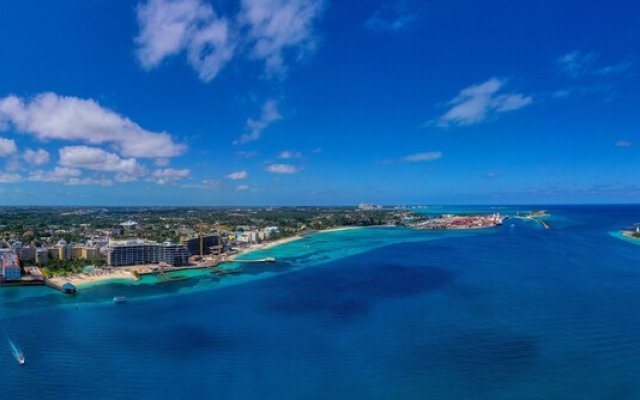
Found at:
[104, 275]
[274, 243]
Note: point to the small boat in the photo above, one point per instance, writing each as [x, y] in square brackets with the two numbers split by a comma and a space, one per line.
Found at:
[17, 353]
[119, 299]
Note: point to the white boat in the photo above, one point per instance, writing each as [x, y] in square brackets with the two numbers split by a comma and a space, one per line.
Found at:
[119, 299]
[17, 353]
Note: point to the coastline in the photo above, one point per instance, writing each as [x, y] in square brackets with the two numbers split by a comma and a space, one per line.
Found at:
[274, 243]
[129, 273]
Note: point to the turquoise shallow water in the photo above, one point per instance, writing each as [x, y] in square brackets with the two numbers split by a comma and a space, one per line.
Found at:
[516, 312]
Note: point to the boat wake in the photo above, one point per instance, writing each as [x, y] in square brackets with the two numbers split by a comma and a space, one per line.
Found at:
[17, 352]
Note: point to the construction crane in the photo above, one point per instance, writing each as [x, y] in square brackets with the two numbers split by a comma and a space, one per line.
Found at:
[201, 240]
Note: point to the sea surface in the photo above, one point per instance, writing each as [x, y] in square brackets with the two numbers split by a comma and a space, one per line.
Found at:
[515, 312]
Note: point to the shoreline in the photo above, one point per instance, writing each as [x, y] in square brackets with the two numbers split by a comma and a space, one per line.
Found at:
[127, 273]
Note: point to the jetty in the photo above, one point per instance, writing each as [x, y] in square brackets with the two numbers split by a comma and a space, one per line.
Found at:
[261, 260]
[65, 287]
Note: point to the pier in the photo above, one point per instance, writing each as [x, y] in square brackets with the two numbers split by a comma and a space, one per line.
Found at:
[262, 260]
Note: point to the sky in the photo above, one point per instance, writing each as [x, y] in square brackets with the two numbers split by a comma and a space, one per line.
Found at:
[319, 102]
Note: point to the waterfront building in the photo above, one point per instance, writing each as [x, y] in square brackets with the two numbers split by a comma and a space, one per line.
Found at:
[89, 253]
[134, 252]
[212, 244]
[270, 230]
[9, 264]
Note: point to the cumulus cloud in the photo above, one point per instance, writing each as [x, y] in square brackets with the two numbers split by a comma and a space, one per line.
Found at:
[240, 188]
[426, 156]
[276, 26]
[67, 176]
[238, 175]
[50, 116]
[169, 175]
[478, 102]
[204, 184]
[170, 27]
[10, 177]
[58, 174]
[263, 29]
[624, 143]
[285, 155]
[255, 127]
[97, 159]
[7, 146]
[36, 157]
[282, 169]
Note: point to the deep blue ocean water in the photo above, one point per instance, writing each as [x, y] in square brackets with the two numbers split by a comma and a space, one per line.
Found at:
[516, 312]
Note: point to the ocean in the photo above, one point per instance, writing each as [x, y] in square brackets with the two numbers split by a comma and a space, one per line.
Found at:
[515, 312]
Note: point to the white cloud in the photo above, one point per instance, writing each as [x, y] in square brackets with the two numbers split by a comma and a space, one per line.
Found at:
[50, 116]
[477, 102]
[282, 169]
[426, 156]
[577, 64]
[169, 175]
[161, 162]
[242, 187]
[9, 177]
[58, 174]
[285, 155]
[36, 157]
[492, 175]
[263, 29]
[255, 127]
[205, 184]
[97, 159]
[169, 27]
[68, 176]
[276, 26]
[7, 146]
[624, 143]
[211, 183]
[392, 17]
[238, 175]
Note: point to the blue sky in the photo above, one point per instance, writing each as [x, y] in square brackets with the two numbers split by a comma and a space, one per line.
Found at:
[303, 102]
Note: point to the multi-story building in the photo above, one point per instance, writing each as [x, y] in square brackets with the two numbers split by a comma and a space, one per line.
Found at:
[90, 253]
[211, 244]
[9, 265]
[133, 252]
[42, 256]
[27, 253]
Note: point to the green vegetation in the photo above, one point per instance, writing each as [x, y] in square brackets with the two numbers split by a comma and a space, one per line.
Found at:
[67, 267]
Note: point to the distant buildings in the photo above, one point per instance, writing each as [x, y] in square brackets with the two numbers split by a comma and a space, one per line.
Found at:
[368, 207]
[134, 252]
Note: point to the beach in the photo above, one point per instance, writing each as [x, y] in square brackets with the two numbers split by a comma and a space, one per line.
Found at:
[131, 273]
